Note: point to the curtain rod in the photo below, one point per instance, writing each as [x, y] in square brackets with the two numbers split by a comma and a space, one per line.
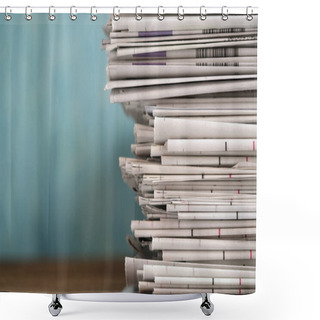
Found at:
[133, 10]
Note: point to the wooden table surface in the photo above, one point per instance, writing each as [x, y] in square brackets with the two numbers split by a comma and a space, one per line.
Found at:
[63, 276]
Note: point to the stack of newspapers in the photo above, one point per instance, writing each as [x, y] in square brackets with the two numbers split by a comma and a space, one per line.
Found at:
[190, 86]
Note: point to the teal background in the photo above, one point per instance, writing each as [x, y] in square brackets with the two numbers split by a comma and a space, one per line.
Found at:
[61, 191]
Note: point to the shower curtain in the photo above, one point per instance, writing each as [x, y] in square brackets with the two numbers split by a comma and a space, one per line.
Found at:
[128, 154]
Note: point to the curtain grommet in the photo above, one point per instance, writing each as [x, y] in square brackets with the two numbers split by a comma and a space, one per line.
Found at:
[93, 17]
[160, 15]
[138, 15]
[116, 15]
[28, 12]
[52, 17]
[180, 13]
[224, 13]
[73, 15]
[203, 13]
[249, 15]
[6, 14]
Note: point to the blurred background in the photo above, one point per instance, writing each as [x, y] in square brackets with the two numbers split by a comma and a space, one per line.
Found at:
[62, 199]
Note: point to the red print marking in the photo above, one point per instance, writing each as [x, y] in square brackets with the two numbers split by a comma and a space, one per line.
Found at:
[238, 191]
[219, 232]
[239, 291]
[250, 254]
[253, 146]
[239, 281]
[245, 235]
[229, 175]
[247, 159]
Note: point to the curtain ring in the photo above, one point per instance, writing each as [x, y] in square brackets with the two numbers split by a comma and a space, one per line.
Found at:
[138, 15]
[160, 15]
[6, 15]
[116, 16]
[28, 16]
[51, 16]
[203, 13]
[73, 16]
[249, 16]
[93, 16]
[180, 13]
[224, 13]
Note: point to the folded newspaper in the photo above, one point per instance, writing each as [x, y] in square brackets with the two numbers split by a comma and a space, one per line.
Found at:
[191, 88]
